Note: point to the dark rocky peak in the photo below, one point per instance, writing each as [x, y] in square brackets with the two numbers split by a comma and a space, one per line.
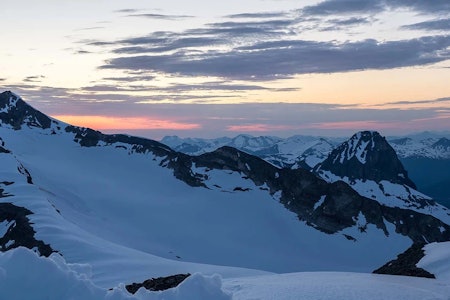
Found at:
[442, 144]
[366, 156]
[17, 113]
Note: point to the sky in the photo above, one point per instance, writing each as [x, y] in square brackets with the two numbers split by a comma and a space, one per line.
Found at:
[210, 69]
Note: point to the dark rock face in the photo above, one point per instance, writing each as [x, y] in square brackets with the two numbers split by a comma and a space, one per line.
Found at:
[25, 172]
[301, 192]
[367, 156]
[228, 158]
[15, 112]
[2, 147]
[405, 263]
[20, 233]
[158, 284]
[342, 206]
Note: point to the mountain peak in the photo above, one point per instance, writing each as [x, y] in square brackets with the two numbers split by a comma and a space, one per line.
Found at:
[8, 99]
[367, 156]
[16, 113]
[442, 143]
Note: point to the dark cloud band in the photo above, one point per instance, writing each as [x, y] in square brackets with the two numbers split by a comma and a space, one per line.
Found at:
[269, 60]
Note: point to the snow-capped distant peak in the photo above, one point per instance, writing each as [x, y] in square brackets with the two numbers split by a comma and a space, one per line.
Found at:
[419, 147]
[442, 144]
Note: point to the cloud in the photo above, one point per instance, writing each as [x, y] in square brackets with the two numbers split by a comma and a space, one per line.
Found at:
[266, 27]
[128, 10]
[213, 35]
[290, 119]
[213, 86]
[77, 100]
[341, 24]
[361, 125]
[434, 101]
[164, 45]
[267, 45]
[90, 28]
[131, 78]
[438, 24]
[434, 6]
[160, 16]
[115, 88]
[257, 15]
[280, 59]
[83, 52]
[349, 21]
[334, 7]
[36, 78]
[177, 88]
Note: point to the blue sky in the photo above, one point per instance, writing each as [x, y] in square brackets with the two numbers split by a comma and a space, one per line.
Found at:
[207, 69]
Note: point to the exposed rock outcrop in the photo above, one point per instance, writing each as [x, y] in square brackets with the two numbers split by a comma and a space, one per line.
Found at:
[158, 284]
[405, 263]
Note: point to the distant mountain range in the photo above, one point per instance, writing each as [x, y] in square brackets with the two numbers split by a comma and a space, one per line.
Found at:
[123, 209]
[425, 156]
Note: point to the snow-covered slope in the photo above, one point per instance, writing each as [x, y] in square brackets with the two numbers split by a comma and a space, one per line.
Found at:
[130, 200]
[54, 278]
[437, 260]
[336, 286]
[124, 209]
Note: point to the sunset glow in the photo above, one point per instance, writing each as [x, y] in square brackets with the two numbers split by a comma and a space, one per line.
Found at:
[135, 123]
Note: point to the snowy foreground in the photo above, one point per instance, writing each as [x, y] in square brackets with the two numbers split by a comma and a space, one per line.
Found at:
[23, 275]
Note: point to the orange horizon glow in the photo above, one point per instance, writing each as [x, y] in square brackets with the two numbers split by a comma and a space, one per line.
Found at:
[125, 123]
